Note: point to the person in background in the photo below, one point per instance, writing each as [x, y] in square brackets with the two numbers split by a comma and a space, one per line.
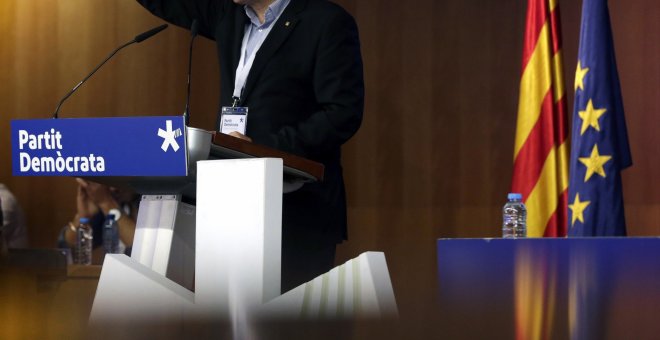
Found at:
[13, 230]
[95, 201]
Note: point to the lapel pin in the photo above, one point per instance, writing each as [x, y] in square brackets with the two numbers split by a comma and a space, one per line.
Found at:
[287, 23]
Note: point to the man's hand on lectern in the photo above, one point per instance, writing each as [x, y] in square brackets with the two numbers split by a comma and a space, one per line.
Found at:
[240, 135]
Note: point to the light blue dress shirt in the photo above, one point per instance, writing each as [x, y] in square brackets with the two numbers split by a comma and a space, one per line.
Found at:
[256, 31]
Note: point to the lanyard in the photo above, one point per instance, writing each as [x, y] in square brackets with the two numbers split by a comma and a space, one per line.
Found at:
[243, 68]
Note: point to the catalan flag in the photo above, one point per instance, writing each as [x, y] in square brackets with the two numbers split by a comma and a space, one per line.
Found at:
[540, 169]
[600, 141]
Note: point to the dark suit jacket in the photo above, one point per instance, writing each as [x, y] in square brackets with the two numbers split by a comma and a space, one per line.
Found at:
[305, 95]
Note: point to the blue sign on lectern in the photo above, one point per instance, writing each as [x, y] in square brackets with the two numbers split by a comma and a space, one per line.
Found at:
[134, 146]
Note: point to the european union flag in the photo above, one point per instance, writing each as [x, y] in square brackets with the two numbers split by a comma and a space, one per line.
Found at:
[599, 139]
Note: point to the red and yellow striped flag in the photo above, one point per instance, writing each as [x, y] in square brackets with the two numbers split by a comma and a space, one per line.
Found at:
[540, 170]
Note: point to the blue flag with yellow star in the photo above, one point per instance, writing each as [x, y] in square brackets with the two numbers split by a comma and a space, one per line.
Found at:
[599, 139]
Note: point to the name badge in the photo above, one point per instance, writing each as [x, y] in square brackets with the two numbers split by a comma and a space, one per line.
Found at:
[233, 119]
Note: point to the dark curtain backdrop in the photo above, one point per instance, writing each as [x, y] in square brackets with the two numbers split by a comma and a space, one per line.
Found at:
[434, 155]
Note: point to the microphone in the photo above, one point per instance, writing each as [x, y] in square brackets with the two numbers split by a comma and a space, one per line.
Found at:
[138, 38]
[148, 34]
[194, 29]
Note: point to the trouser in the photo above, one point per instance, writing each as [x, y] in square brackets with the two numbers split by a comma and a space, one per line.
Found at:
[303, 261]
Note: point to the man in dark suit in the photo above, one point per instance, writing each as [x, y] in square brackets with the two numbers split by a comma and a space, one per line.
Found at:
[305, 93]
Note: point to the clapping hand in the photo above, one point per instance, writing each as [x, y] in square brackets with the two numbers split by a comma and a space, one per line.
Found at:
[92, 197]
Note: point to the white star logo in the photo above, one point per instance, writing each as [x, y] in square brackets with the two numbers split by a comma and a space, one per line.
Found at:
[168, 137]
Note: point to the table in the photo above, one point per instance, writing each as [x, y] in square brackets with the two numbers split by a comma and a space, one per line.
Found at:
[580, 288]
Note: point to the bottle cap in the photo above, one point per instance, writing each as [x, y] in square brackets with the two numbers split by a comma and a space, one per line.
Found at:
[84, 220]
[514, 196]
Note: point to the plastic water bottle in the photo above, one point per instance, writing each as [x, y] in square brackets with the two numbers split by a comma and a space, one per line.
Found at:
[110, 235]
[514, 215]
[84, 240]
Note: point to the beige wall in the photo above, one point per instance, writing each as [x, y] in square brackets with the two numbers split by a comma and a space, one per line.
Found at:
[433, 157]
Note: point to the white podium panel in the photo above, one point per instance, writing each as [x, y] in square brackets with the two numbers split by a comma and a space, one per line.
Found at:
[361, 287]
[239, 234]
[130, 291]
[237, 262]
[165, 237]
[153, 231]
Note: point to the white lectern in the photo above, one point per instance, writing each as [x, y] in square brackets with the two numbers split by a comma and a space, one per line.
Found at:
[236, 253]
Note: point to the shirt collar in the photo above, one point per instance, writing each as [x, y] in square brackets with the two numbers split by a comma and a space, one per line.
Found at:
[273, 11]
